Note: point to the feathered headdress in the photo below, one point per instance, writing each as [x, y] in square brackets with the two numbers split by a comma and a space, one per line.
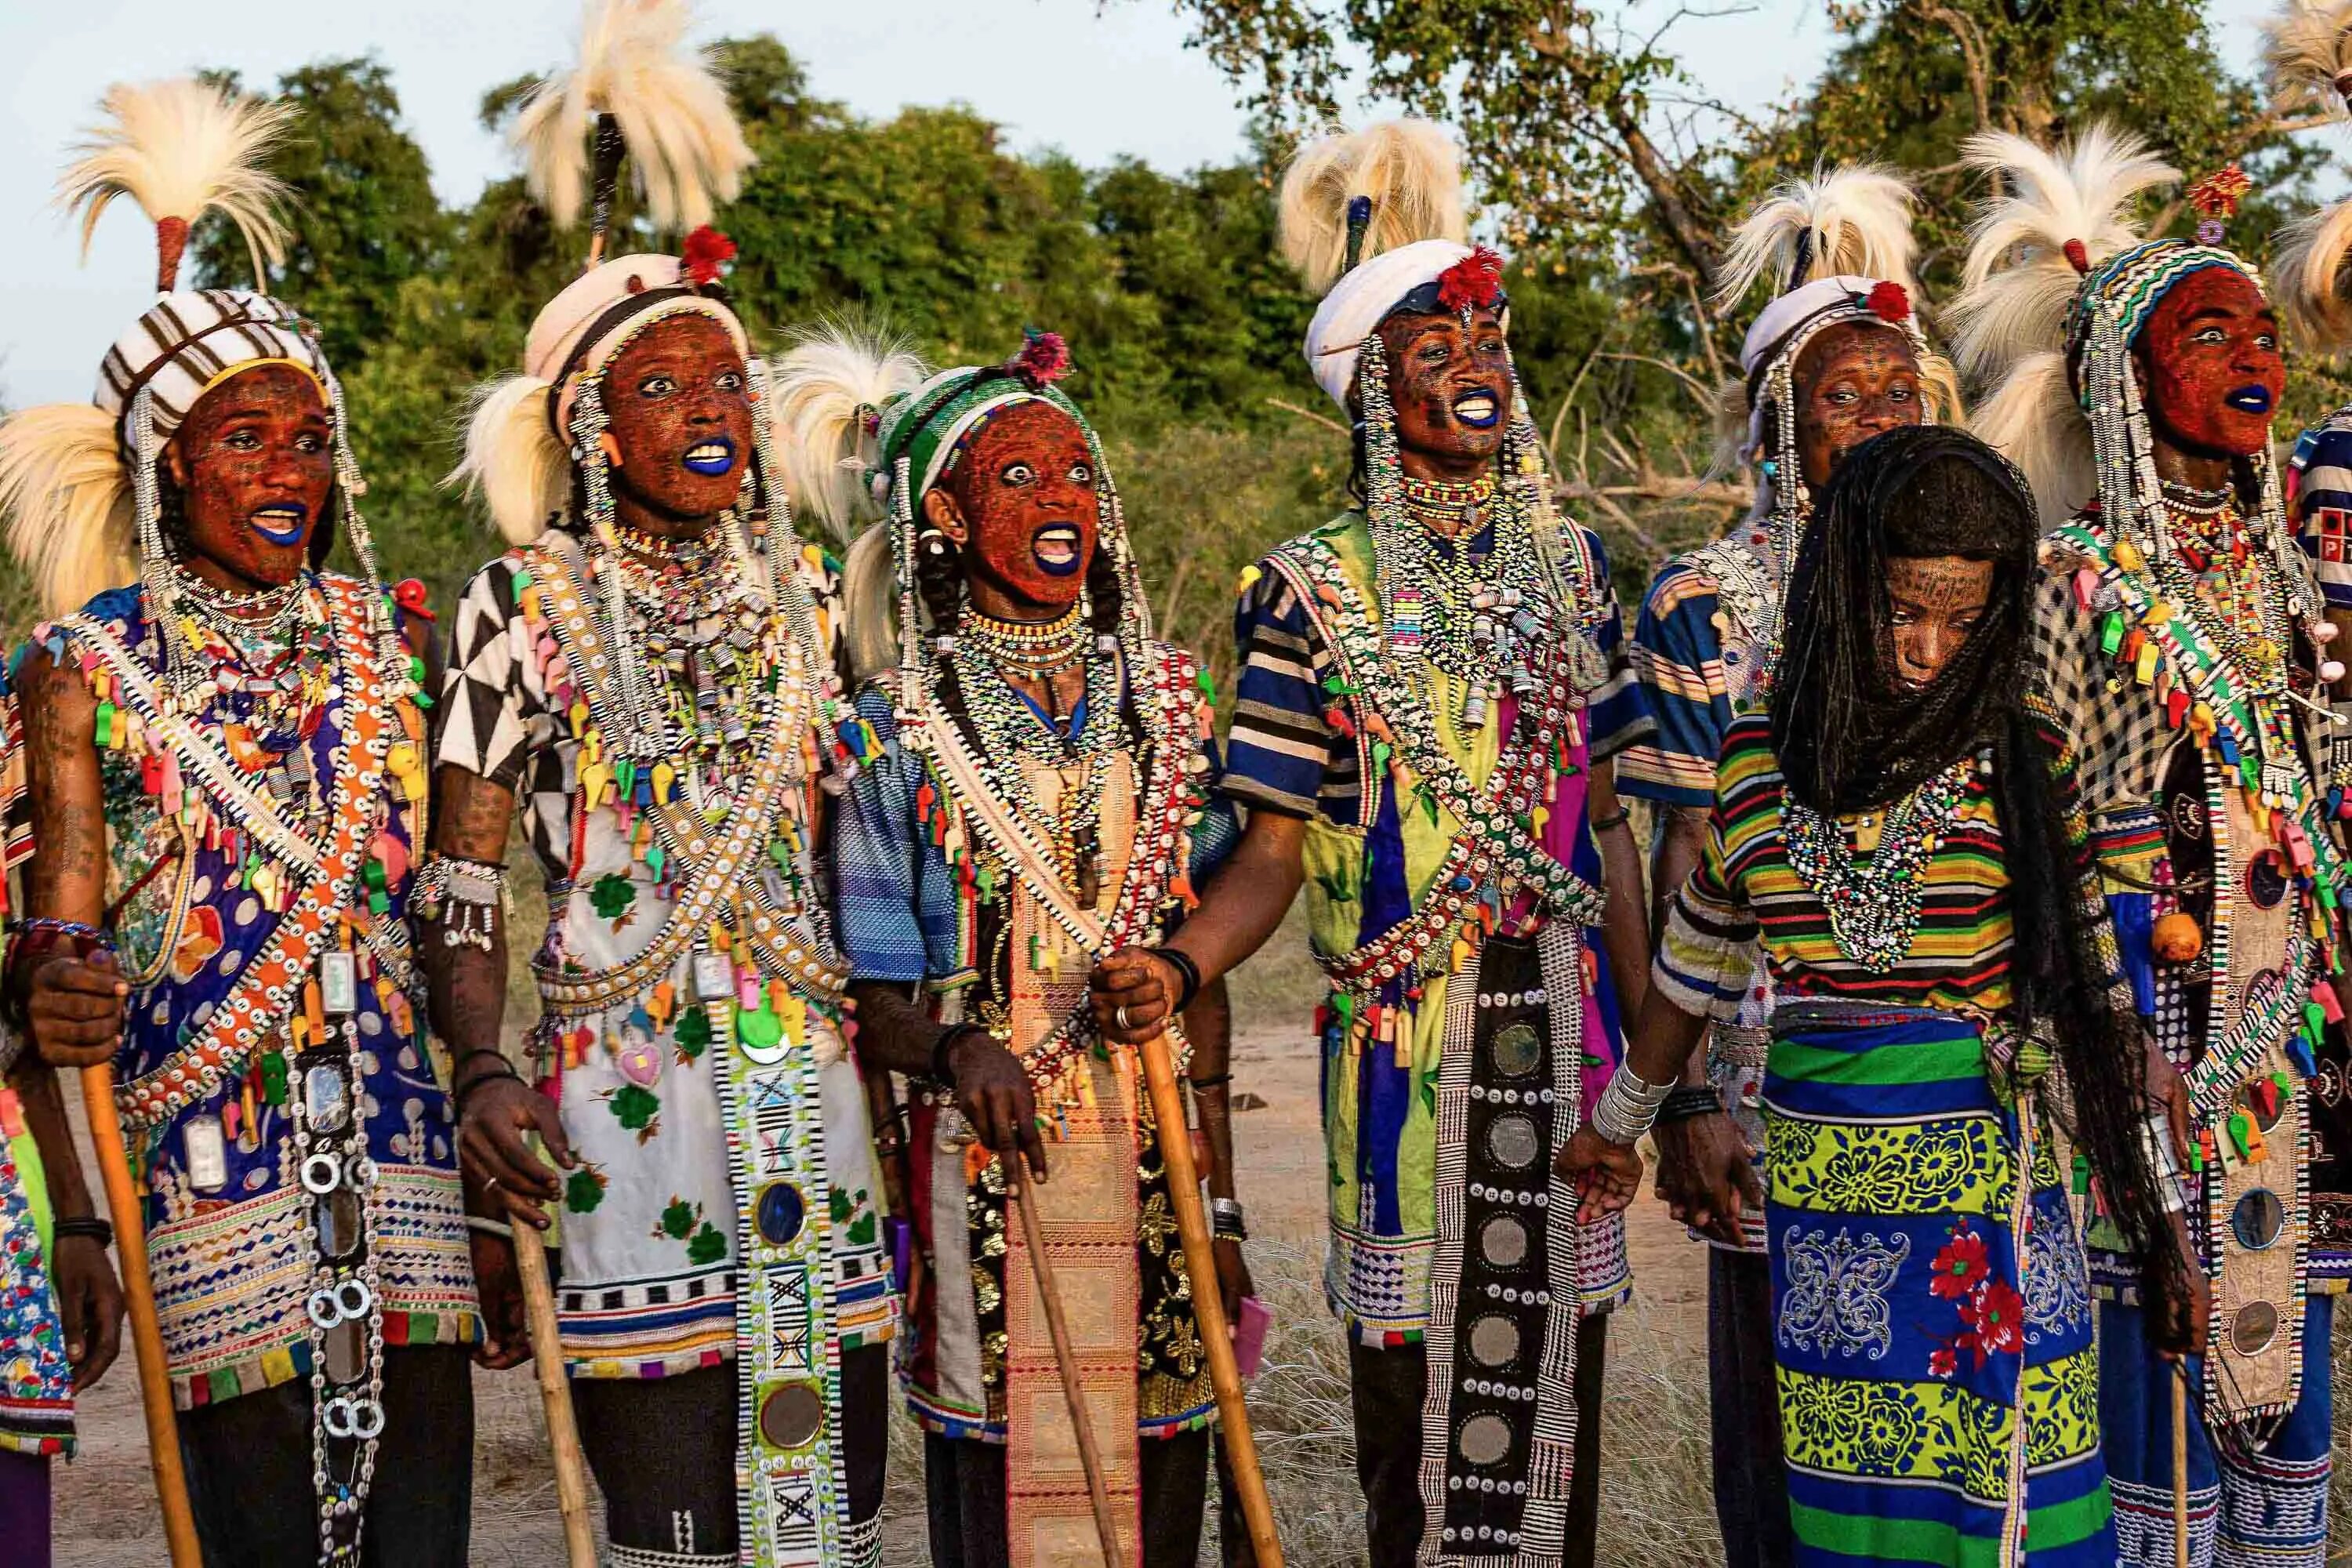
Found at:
[2307, 57]
[1854, 220]
[180, 150]
[646, 93]
[2309, 281]
[1352, 196]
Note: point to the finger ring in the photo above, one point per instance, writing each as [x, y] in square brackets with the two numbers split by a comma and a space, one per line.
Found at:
[1119, 1013]
[490, 1187]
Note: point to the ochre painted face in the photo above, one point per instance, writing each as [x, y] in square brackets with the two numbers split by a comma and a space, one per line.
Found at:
[1853, 380]
[255, 465]
[1938, 601]
[1021, 502]
[679, 402]
[1450, 383]
[2208, 364]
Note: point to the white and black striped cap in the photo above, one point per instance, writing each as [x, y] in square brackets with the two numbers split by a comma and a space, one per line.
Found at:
[190, 339]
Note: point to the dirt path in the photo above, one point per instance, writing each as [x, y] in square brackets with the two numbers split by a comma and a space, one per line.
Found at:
[105, 1503]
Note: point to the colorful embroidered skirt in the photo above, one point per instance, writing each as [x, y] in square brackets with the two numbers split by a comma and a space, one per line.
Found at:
[1932, 1323]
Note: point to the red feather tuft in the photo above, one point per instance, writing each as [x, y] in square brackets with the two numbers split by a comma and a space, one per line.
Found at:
[1889, 302]
[2217, 195]
[2078, 255]
[707, 251]
[1474, 282]
[1043, 359]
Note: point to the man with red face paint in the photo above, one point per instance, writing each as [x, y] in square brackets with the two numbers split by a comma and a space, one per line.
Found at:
[1432, 688]
[647, 677]
[2180, 634]
[1836, 358]
[1031, 793]
[226, 748]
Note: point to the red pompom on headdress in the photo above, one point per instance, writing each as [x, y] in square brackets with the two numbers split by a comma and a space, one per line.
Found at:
[1474, 282]
[1043, 359]
[1889, 302]
[2217, 196]
[707, 251]
[2077, 254]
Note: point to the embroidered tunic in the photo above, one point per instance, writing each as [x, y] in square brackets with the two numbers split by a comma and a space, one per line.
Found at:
[203, 932]
[650, 1219]
[1700, 648]
[957, 929]
[1932, 1317]
[1370, 857]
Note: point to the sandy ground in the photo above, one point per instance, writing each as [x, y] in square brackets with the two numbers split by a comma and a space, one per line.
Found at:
[105, 1507]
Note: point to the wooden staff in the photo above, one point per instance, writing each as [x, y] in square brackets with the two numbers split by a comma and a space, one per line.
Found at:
[1208, 1299]
[555, 1393]
[146, 1328]
[1089, 1456]
[2180, 1463]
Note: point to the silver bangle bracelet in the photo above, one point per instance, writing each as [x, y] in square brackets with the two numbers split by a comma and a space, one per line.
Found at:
[2155, 1137]
[1629, 1107]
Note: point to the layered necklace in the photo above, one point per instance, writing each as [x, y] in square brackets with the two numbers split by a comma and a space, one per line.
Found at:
[1873, 910]
[1010, 729]
[262, 667]
[1458, 581]
[2226, 587]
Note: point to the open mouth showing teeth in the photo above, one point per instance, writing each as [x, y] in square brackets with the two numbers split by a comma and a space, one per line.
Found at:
[1056, 548]
[1476, 409]
[279, 524]
[711, 456]
[2251, 399]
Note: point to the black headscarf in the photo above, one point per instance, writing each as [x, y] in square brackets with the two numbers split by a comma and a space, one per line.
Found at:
[1850, 735]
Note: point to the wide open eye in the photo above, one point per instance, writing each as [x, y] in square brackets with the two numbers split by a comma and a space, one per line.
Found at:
[1018, 473]
[1082, 473]
[657, 385]
[729, 380]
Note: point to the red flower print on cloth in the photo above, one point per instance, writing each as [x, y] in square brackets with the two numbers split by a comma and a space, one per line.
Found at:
[1961, 1267]
[1996, 1313]
[1943, 1362]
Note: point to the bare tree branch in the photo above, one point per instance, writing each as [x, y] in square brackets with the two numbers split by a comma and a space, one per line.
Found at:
[1698, 388]
[1323, 419]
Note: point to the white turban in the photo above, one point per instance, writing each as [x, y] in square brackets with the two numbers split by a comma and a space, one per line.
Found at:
[1844, 296]
[1361, 299]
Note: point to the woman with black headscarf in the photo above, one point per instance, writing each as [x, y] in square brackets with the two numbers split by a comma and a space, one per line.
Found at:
[1899, 832]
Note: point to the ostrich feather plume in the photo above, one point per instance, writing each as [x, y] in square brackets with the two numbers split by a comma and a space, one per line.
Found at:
[635, 65]
[825, 386]
[2018, 280]
[67, 497]
[1410, 169]
[2306, 53]
[513, 464]
[2032, 418]
[180, 150]
[1855, 219]
[2308, 281]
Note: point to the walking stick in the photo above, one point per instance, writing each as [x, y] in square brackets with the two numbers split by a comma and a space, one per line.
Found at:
[146, 1328]
[555, 1393]
[2180, 1463]
[1089, 1456]
[1208, 1301]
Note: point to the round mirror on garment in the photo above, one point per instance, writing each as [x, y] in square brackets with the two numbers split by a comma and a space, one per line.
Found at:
[2253, 1327]
[1484, 1441]
[792, 1416]
[1517, 1049]
[2265, 1101]
[1503, 1242]
[1512, 1142]
[2266, 880]
[2256, 1219]
[781, 1210]
[337, 1216]
[1493, 1340]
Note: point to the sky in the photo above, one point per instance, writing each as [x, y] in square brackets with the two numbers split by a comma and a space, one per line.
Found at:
[1097, 78]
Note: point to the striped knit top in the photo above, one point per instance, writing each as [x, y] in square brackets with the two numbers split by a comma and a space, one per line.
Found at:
[1745, 891]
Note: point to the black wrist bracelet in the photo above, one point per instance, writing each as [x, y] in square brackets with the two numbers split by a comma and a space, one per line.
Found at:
[1602, 823]
[942, 1048]
[1214, 1081]
[1688, 1100]
[84, 1225]
[1186, 969]
[459, 1095]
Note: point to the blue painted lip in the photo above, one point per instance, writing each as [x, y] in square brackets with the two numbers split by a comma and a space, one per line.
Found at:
[1057, 531]
[292, 532]
[2251, 399]
[1485, 421]
[713, 466]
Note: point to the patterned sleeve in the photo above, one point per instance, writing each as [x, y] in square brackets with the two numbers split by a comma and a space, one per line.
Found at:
[493, 712]
[2101, 954]
[1617, 715]
[1280, 755]
[1678, 655]
[2323, 508]
[1707, 954]
[878, 857]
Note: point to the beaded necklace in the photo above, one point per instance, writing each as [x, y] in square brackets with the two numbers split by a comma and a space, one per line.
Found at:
[1875, 909]
[1478, 613]
[1009, 729]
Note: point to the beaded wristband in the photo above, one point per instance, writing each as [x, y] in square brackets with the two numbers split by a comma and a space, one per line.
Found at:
[84, 1225]
[1629, 1107]
[1690, 1099]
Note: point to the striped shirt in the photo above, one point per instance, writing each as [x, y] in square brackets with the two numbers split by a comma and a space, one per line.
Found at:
[1744, 892]
[1698, 665]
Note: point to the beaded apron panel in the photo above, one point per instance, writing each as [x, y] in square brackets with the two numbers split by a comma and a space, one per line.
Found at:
[1498, 1422]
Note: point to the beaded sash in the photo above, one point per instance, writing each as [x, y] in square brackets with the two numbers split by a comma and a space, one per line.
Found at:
[267, 987]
